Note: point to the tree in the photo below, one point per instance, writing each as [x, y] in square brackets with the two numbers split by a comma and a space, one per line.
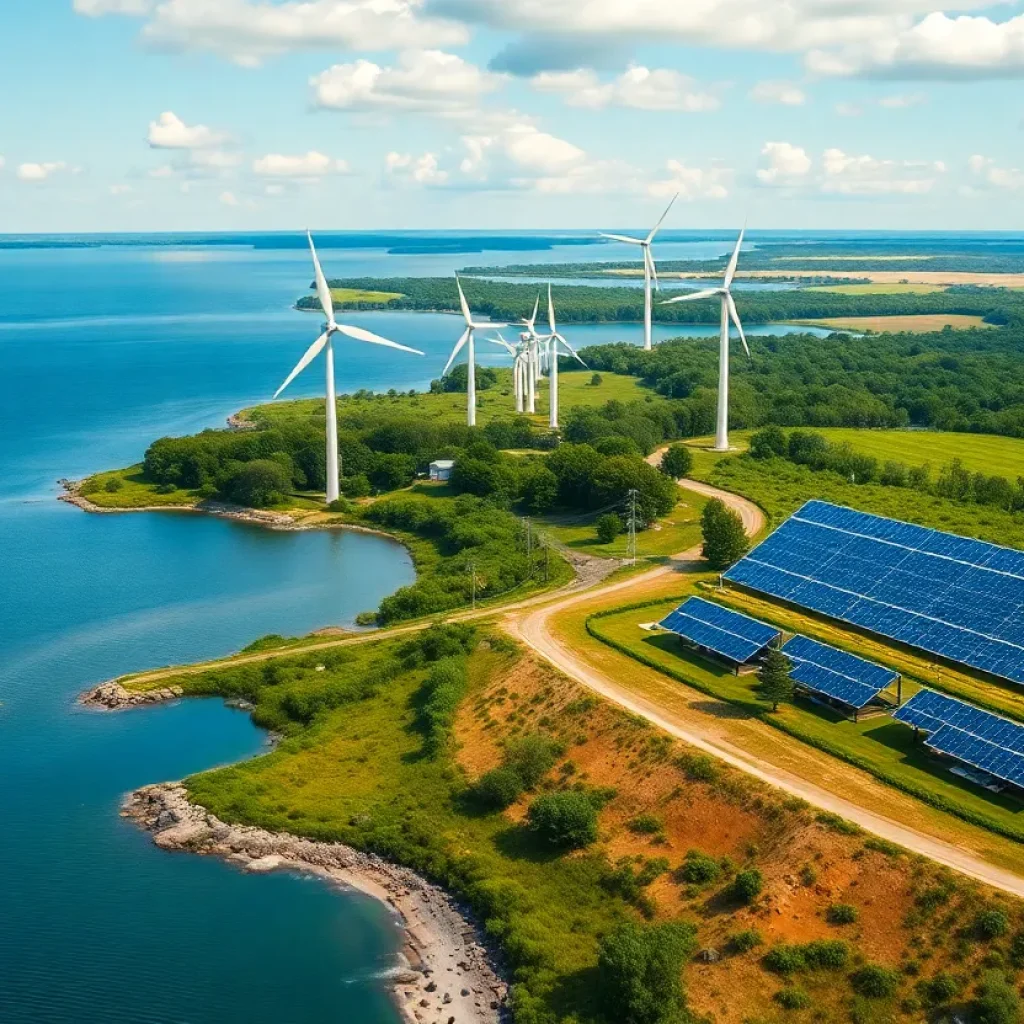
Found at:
[596, 380]
[566, 819]
[538, 488]
[458, 379]
[768, 443]
[775, 686]
[640, 967]
[258, 483]
[725, 540]
[677, 461]
[747, 886]
[608, 526]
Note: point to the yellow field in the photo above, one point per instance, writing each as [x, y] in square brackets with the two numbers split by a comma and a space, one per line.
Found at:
[347, 295]
[939, 278]
[918, 323]
[900, 288]
[849, 259]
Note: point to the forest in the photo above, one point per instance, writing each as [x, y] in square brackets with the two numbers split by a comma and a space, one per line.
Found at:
[509, 301]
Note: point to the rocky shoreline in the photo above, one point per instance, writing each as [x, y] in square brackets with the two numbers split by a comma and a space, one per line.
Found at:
[113, 696]
[445, 974]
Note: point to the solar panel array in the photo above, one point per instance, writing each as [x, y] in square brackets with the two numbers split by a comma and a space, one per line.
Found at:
[732, 634]
[976, 737]
[835, 673]
[959, 598]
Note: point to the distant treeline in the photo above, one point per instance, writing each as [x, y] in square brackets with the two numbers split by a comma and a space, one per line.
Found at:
[504, 300]
[954, 480]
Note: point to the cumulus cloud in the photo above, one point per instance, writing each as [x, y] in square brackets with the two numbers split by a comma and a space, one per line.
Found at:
[783, 164]
[638, 87]
[987, 173]
[849, 110]
[311, 165]
[168, 131]
[41, 171]
[249, 31]
[422, 170]
[424, 81]
[865, 175]
[693, 182]
[785, 93]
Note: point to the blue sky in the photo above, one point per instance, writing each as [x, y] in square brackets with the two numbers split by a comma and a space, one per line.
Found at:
[230, 114]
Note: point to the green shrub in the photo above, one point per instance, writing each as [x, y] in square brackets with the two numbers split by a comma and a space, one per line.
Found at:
[566, 819]
[1017, 950]
[743, 942]
[997, 1002]
[531, 757]
[747, 886]
[841, 913]
[698, 869]
[826, 954]
[442, 691]
[875, 981]
[115, 483]
[499, 788]
[785, 959]
[677, 462]
[699, 767]
[792, 998]
[991, 924]
[646, 825]
[941, 989]
[608, 528]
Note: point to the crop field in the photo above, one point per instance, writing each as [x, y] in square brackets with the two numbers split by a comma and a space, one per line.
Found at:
[898, 288]
[933, 277]
[916, 323]
[348, 296]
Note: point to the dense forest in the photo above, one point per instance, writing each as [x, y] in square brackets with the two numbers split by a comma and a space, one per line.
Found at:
[503, 300]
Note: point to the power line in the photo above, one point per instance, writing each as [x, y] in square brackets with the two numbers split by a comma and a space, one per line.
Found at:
[631, 524]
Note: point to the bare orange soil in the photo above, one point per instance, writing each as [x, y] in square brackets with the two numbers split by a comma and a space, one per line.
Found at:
[808, 864]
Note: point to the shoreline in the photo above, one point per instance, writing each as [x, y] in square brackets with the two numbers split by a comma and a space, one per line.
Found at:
[445, 972]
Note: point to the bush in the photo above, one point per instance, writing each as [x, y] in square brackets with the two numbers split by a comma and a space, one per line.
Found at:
[744, 942]
[442, 692]
[640, 968]
[1017, 950]
[677, 462]
[997, 1002]
[841, 913]
[768, 443]
[875, 981]
[596, 380]
[698, 767]
[339, 505]
[499, 788]
[785, 960]
[258, 483]
[608, 528]
[357, 486]
[747, 886]
[792, 998]
[942, 988]
[826, 954]
[566, 819]
[991, 924]
[646, 825]
[531, 757]
[699, 869]
[115, 483]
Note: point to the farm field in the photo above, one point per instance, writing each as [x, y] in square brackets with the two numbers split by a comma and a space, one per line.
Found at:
[898, 288]
[350, 295]
[916, 323]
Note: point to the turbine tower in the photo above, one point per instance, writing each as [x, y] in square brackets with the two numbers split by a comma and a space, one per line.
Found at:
[467, 338]
[650, 271]
[325, 342]
[729, 312]
[555, 339]
[529, 340]
[519, 356]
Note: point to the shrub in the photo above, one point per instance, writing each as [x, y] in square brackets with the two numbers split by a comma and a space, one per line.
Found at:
[646, 825]
[699, 869]
[785, 959]
[499, 788]
[531, 757]
[608, 527]
[841, 913]
[743, 942]
[942, 988]
[826, 954]
[792, 998]
[596, 380]
[997, 1002]
[566, 819]
[640, 968]
[747, 886]
[768, 443]
[115, 483]
[725, 540]
[875, 981]
[698, 767]
[442, 691]
[991, 924]
[1017, 950]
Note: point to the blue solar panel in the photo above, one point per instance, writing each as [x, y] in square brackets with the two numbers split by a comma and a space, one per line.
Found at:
[979, 738]
[736, 636]
[824, 669]
[959, 598]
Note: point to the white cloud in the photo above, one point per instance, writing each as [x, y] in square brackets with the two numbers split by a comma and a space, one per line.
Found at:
[938, 46]
[120, 190]
[422, 170]
[693, 182]
[785, 93]
[424, 81]
[638, 87]
[212, 160]
[41, 172]
[988, 174]
[309, 166]
[902, 102]
[168, 131]
[849, 110]
[787, 164]
[228, 199]
[249, 31]
[845, 174]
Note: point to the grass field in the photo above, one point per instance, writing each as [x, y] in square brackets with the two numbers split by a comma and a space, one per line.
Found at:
[922, 323]
[897, 288]
[346, 296]
[128, 489]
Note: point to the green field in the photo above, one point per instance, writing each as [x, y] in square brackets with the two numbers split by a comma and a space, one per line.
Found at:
[354, 296]
[878, 289]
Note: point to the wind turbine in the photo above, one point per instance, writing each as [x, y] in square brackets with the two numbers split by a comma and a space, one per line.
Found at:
[467, 338]
[729, 312]
[555, 339]
[530, 339]
[650, 271]
[519, 356]
[325, 342]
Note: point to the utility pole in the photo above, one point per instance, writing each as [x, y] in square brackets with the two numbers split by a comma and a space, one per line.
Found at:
[472, 580]
[631, 525]
[529, 539]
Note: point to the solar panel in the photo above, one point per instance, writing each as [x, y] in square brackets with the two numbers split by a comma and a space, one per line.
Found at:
[979, 738]
[834, 673]
[959, 598]
[732, 634]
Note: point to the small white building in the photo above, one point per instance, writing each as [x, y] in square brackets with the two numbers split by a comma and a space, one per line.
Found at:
[442, 469]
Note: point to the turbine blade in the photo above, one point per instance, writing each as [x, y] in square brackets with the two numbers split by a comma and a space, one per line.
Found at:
[623, 238]
[322, 291]
[455, 351]
[551, 311]
[734, 314]
[654, 269]
[486, 326]
[730, 271]
[707, 293]
[311, 353]
[374, 339]
[655, 229]
[570, 350]
[499, 340]
[532, 322]
[463, 302]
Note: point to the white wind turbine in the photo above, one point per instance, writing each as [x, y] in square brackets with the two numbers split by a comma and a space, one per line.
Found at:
[555, 339]
[729, 312]
[531, 341]
[519, 354]
[467, 338]
[324, 342]
[650, 271]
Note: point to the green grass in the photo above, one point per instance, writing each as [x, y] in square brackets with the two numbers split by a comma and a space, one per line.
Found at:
[354, 296]
[878, 289]
[132, 491]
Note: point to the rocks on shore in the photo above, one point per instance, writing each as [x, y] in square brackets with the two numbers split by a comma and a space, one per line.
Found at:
[445, 965]
[114, 697]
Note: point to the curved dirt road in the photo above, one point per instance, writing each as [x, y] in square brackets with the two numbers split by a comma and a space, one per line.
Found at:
[533, 628]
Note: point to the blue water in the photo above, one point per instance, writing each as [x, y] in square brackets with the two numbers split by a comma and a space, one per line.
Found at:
[104, 349]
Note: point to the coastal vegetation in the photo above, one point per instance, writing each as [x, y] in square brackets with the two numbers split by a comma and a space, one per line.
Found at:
[661, 852]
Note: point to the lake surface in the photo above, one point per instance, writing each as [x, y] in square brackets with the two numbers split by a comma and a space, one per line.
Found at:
[104, 349]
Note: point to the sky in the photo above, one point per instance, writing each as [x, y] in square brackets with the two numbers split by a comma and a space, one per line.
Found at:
[148, 115]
